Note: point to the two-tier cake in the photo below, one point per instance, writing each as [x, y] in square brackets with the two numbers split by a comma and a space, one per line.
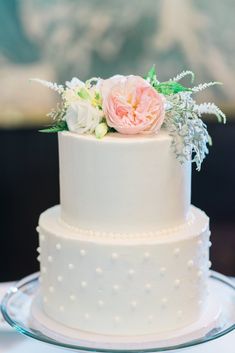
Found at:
[125, 253]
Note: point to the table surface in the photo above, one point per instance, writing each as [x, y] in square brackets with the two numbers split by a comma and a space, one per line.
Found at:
[13, 342]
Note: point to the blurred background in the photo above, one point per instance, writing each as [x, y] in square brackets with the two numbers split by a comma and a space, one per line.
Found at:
[56, 40]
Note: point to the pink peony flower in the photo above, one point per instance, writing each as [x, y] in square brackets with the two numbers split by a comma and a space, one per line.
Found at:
[131, 105]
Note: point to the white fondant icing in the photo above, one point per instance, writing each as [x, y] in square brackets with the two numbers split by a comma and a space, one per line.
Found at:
[124, 280]
[123, 184]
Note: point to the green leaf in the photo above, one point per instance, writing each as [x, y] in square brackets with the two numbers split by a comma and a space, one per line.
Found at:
[83, 93]
[170, 87]
[59, 126]
[151, 76]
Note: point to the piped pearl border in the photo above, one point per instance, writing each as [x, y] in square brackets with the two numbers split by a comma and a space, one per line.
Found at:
[144, 235]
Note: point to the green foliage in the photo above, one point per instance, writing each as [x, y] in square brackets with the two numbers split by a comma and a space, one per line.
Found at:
[152, 76]
[166, 88]
[170, 87]
[59, 126]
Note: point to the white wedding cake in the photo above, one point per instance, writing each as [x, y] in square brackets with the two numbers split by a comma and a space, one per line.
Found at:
[125, 253]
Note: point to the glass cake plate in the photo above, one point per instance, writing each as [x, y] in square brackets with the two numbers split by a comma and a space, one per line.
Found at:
[17, 311]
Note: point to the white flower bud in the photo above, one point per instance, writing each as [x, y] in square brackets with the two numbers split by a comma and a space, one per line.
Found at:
[101, 130]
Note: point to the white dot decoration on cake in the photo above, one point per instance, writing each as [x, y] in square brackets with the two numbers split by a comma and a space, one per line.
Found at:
[61, 308]
[209, 243]
[82, 252]
[164, 302]
[51, 289]
[199, 242]
[117, 319]
[134, 304]
[39, 249]
[71, 266]
[83, 284]
[176, 252]
[58, 246]
[44, 269]
[200, 302]
[72, 297]
[50, 258]
[45, 300]
[150, 318]
[162, 271]
[100, 303]
[190, 264]
[114, 256]
[116, 288]
[177, 283]
[99, 271]
[131, 273]
[39, 258]
[199, 274]
[87, 316]
[148, 287]
[179, 314]
[209, 264]
[42, 237]
[146, 255]
[59, 278]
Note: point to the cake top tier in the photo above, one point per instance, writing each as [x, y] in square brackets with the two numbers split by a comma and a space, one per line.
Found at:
[122, 184]
[133, 105]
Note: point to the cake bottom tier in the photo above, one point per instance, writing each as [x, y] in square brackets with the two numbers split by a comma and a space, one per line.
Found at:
[125, 285]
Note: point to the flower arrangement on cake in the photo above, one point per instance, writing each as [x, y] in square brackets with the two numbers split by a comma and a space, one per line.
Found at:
[135, 105]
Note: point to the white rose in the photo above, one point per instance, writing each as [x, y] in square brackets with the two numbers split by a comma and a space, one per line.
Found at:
[82, 117]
